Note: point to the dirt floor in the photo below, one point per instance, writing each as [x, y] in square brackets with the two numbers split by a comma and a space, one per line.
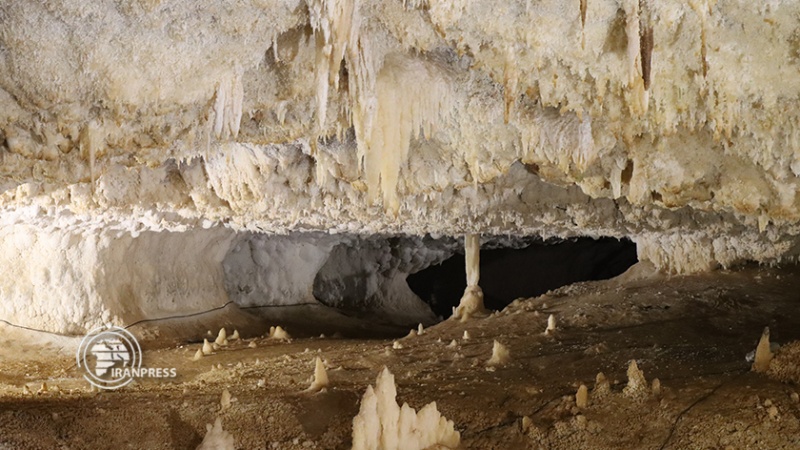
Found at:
[693, 333]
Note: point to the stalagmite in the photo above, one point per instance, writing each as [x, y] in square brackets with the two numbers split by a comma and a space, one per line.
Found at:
[466, 335]
[222, 337]
[382, 424]
[320, 376]
[655, 387]
[278, 333]
[198, 355]
[551, 325]
[472, 301]
[207, 348]
[225, 400]
[637, 384]
[582, 397]
[500, 355]
[216, 438]
[601, 386]
[763, 353]
[234, 336]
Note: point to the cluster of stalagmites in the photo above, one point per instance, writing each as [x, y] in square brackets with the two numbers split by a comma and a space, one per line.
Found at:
[223, 340]
[382, 424]
[637, 390]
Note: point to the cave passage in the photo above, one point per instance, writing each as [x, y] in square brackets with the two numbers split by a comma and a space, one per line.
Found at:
[509, 273]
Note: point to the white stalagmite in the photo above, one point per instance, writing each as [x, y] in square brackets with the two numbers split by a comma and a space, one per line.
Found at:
[763, 353]
[472, 301]
[222, 337]
[225, 400]
[582, 397]
[207, 348]
[235, 335]
[320, 376]
[637, 387]
[655, 386]
[551, 325]
[382, 424]
[602, 387]
[198, 355]
[500, 355]
[278, 333]
[216, 438]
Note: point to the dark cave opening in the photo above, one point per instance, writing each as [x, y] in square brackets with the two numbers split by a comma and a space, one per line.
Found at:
[510, 273]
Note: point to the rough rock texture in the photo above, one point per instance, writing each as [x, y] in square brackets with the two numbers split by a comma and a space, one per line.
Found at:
[672, 123]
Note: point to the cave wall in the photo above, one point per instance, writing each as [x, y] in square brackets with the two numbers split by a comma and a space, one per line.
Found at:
[69, 282]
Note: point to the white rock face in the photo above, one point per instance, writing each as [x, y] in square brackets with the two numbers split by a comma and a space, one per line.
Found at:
[70, 282]
[674, 124]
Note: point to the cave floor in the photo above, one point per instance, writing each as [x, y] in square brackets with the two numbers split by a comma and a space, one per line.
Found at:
[691, 332]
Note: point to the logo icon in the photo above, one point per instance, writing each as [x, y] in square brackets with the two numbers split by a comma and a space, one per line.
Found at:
[110, 356]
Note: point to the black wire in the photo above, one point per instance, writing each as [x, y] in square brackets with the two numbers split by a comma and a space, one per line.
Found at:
[180, 316]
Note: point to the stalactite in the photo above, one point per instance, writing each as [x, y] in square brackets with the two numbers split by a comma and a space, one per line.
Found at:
[645, 48]
[632, 32]
[411, 96]
[583, 23]
[228, 105]
[647, 54]
[638, 94]
[91, 140]
[510, 82]
[336, 24]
